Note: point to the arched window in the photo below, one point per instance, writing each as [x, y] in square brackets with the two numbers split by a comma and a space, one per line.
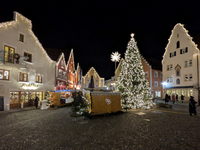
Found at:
[178, 81]
[177, 44]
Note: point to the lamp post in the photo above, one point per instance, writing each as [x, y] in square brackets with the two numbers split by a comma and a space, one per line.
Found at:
[115, 57]
[164, 87]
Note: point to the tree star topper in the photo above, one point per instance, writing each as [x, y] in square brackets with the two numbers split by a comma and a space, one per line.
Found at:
[115, 57]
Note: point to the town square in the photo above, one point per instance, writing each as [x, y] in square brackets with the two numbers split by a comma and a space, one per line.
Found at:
[99, 75]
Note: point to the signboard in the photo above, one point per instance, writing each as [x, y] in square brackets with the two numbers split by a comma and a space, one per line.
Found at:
[1, 103]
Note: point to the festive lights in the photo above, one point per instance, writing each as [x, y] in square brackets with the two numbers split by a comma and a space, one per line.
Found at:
[131, 81]
[30, 86]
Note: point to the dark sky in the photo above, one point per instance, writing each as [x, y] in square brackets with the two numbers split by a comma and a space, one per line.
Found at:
[96, 28]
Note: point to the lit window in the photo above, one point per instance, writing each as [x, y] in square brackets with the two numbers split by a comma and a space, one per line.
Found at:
[156, 83]
[190, 63]
[21, 37]
[155, 74]
[9, 54]
[4, 74]
[23, 77]
[38, 78]
[29, 56]
[157, 94]
[186, 77]
[190, 77]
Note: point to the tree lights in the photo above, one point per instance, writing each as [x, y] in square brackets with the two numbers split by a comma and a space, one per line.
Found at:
[131, 81]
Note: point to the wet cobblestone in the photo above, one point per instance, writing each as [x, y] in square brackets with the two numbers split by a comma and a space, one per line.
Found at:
[54, 129]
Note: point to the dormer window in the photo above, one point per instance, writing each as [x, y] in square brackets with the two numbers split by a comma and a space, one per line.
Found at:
[21, 37]
[178, 44]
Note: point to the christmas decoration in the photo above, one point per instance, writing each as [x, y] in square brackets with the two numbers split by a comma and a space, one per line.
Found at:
[115, 57]
[80, 105]
[131, 81]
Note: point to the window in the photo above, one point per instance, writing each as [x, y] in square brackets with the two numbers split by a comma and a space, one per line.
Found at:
[29, 57]
[155, 74]
[88, 80]
[171, 67]
[38, 79]
[23, 77]
[4, 74]
[167, 79]
[21, 37]
[96, 85]
[146, 74]
[178, 72]
[156, 83]
[62, 63]
[161, 75]
[96, 80]
[186, 77]
[157, 94]
[178, 81]
[190, 77]
[171, 79]
[85, 85]
[60, 73]
[183, 51]
[9, 54]
[178, 44]
[167, 67]
[190, 63]
[186, 63]
[172, 54]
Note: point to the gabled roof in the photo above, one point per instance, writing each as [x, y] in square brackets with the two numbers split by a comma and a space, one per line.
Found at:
[92, 68]
[179, 25]
[13, 23]
[55, 54]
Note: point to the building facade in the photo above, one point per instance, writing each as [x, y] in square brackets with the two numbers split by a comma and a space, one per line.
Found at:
[26, 70]
[92, 80]
[180, 64]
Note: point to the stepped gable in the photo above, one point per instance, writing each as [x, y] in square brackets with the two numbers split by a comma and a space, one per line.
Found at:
[155, 64]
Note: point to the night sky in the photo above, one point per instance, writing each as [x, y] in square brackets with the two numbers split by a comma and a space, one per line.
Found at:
[95, 29]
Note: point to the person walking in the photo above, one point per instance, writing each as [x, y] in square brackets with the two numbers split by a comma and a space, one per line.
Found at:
[176, 97]
[169, 97]
[166, 98]
[192, 107]
[36, 101]
[173, 98]
[156, 102]
[182, 98]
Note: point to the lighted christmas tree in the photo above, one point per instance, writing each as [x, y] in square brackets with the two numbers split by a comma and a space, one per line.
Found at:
[131, 81]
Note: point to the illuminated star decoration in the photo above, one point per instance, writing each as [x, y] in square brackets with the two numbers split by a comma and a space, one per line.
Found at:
[115, 57]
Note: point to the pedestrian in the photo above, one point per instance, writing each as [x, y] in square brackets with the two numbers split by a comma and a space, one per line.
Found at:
[176, 97]
[36, 101]
[169, 97]
[173, 98]
[166, 98]
[156, 102]
[192, 107]
[182, 98]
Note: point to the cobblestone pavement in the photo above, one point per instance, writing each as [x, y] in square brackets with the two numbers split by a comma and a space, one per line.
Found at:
[54, 129]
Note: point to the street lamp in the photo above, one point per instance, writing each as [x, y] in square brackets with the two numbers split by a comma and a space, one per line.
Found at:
[115, 57]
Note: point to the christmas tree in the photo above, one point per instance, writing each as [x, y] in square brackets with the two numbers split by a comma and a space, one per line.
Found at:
[80, 105]
[131, 81]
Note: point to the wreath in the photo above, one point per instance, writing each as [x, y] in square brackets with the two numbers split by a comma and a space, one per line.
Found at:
[17, 57]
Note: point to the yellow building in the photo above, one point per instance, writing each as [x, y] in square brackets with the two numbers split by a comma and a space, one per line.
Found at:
[92, 79]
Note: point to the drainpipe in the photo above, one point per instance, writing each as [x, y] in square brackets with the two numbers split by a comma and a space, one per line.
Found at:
[198, 80]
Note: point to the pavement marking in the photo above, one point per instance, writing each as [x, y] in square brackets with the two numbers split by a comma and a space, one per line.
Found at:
[170, 111]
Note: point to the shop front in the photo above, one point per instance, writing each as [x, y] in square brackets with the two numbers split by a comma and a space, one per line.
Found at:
[20, 99]
[186, 92]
